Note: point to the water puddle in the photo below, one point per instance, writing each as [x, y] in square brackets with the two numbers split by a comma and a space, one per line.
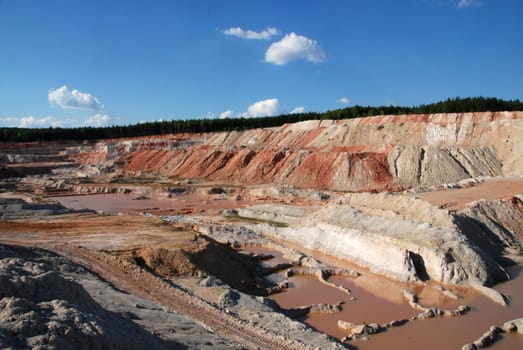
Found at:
[379, 300]
[132, 204]
[277, 256]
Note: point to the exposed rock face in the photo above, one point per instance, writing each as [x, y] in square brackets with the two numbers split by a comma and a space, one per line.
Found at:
[407, 238]
[387, 152]
[363, 154]
[497, 225]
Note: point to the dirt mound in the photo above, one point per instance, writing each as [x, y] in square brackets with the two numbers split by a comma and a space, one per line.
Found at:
[166, 262]
[206, 256]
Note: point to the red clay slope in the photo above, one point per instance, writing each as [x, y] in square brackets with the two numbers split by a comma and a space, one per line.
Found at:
[364, 154]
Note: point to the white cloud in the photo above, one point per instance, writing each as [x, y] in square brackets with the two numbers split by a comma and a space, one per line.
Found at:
[74, 99]
[97, 120]
[226, 114]
[344, 100]
[9, 122]
[468, 3]
[250, 34]
[32, 122]
[151, 121]
[264, 108]
[298, 110]
[50, 121]
[294, 47]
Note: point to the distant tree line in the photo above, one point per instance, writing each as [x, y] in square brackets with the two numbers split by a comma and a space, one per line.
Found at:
[451, 105]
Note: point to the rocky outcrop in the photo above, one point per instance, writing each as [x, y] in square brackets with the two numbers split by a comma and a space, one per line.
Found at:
[408, 239]
[497, 226]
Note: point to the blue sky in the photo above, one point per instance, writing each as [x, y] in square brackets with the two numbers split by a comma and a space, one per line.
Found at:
[72, 63]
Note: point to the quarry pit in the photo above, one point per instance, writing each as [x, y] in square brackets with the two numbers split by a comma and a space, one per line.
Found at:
[314, 235]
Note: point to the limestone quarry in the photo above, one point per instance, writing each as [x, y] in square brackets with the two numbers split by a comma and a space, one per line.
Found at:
[370, 233]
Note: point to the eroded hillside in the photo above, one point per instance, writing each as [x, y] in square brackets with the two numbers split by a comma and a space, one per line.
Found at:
[366, 154]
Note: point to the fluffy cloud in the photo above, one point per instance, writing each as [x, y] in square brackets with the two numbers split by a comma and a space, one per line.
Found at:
[226, 114]
[298, 110]
[50, 121]
[294, 47]
[98, 120]
[468, 3]
[74, 99]
[250, 34]
[344, 100]
[32, 122]
[264, 108]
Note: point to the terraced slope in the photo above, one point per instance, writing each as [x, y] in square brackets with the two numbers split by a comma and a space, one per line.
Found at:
[366, 154]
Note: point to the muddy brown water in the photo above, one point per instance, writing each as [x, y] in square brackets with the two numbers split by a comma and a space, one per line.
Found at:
[128, 204]
[277, 256]
[380, 300]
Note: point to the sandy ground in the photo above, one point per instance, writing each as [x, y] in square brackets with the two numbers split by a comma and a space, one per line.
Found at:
[456, 199]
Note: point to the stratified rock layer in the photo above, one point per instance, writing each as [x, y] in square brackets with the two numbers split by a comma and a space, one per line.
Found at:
[363, 154]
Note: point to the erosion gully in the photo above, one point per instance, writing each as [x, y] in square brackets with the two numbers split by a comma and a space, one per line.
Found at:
[373, 298]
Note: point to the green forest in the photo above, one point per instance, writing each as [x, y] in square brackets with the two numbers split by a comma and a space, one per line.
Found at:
[451, 105]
